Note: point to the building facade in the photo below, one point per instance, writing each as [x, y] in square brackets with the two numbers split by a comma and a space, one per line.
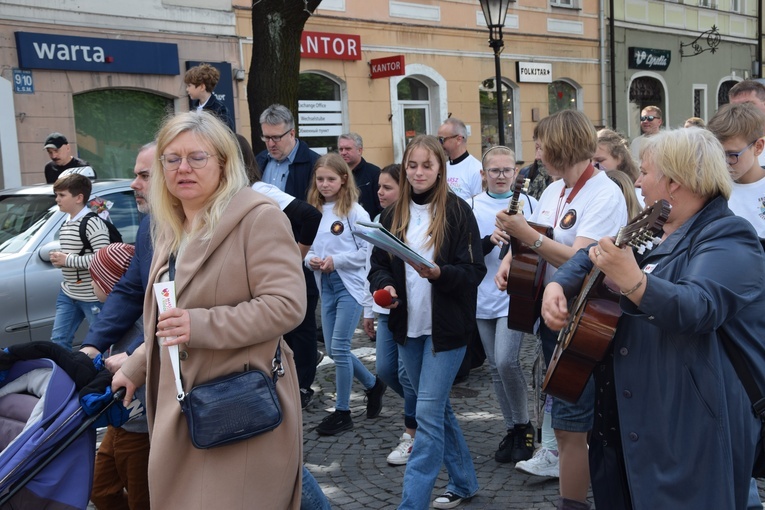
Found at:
[104, 74]
[682, 57]
[390, 69]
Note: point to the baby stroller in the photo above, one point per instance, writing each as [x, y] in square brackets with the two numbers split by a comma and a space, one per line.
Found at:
[47, 441]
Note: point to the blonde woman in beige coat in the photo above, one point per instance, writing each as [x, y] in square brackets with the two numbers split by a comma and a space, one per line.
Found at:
[239, 288]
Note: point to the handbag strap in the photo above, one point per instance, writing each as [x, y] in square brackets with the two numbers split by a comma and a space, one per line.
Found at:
[277, 370]
[744, 374]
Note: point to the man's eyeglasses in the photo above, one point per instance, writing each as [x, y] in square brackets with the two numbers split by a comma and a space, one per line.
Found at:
[496, 172]
[442, 139]
[275, 139]
[196, 160]
[732, 157]
[648, 118]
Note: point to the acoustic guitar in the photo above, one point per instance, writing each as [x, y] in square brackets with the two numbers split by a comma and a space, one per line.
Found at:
[524, 281]
[583, 342]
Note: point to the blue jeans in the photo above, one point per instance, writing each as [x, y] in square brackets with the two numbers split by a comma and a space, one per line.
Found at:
[69, 316]
[312, 498]
[754, 496]
[503, 349]
[340, 315]
[432, 374]
[391, 370]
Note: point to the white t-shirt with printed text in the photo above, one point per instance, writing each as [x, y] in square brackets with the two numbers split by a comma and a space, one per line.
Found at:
[597, 211]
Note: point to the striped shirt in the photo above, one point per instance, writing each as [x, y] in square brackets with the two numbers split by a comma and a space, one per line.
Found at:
[77, 281]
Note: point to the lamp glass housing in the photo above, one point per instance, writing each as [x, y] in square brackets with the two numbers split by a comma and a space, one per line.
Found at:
[495, 12]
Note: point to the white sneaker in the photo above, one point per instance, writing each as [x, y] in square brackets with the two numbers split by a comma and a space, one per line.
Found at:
[543, 463]
[400, 455]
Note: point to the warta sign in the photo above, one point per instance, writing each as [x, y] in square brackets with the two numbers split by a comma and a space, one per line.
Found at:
[388, 66]
[330, 46]
[69, 53]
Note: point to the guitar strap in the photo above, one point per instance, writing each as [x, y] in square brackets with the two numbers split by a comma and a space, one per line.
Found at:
[588, 172]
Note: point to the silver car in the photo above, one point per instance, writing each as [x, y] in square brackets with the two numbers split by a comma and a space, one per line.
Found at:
[29, 228]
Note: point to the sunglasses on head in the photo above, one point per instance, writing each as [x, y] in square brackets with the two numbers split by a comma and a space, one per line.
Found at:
[648, 118]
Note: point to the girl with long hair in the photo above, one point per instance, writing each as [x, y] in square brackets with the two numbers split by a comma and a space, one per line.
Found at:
[338, 260]
[433, 316]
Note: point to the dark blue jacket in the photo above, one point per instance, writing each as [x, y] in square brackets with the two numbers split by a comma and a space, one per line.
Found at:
[367, 177]
[301, 170]
[217, 108]
[124, 305]
[686, 424]
[454, 294]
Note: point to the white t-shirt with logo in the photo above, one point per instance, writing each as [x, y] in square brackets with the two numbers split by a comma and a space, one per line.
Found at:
[748, 201]
[464, 178]
[597, 211]
[492, 302]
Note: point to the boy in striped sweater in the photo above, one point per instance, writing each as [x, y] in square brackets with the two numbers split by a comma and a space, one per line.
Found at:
[76, 300]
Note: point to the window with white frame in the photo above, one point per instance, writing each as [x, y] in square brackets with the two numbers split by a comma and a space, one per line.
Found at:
[320, 111]
[564, 3]
[735, 5]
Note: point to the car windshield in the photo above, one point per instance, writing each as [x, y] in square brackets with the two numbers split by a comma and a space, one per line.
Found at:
[21, 216]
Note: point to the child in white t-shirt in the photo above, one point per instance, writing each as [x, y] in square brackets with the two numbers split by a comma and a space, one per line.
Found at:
[739, 127]
[339, 261]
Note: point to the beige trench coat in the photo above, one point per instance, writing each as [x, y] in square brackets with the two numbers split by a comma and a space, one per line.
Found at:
[244, 289]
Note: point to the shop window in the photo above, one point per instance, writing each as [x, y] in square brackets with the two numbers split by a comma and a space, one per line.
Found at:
[320, 111]
[561, 96]
[487, 98]
[113, 124]
[414, 97]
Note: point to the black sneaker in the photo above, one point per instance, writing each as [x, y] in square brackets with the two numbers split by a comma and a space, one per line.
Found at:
[523, 442]
[374, 398]
[505, 452]
[306, 397]
[448, 500]
[337, 422]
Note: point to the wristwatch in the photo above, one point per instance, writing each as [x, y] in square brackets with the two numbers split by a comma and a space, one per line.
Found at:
[538, 242]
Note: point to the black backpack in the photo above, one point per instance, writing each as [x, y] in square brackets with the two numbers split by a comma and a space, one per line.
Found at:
[114, 234]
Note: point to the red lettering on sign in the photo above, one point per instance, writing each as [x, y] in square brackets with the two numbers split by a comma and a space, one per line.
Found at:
[330, 46]
[388, 66]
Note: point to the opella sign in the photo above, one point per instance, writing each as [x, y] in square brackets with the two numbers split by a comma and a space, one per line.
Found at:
[648, 58]
[49, 51]
[388, 66]
[330, 46]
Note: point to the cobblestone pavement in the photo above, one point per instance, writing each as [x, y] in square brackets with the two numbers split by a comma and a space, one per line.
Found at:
[351, 467]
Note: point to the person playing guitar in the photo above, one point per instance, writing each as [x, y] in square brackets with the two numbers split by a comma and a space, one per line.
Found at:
[582, 206]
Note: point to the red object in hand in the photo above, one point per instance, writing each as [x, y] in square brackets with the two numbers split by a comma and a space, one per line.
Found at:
[383, 298]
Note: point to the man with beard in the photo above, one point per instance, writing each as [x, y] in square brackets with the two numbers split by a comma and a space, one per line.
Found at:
[61, 158]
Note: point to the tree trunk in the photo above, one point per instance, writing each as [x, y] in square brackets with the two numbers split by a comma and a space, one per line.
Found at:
[277, 26]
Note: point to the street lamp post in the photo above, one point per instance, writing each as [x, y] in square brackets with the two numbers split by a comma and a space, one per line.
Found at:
[495, 12]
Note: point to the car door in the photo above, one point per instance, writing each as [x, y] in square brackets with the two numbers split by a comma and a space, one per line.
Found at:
[43, 280]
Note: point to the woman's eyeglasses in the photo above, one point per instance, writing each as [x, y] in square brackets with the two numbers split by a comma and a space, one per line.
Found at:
[195, 160]
[648, 118]
[732, 157]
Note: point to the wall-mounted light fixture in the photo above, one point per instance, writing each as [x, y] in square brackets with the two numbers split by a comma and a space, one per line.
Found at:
[240, 74]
